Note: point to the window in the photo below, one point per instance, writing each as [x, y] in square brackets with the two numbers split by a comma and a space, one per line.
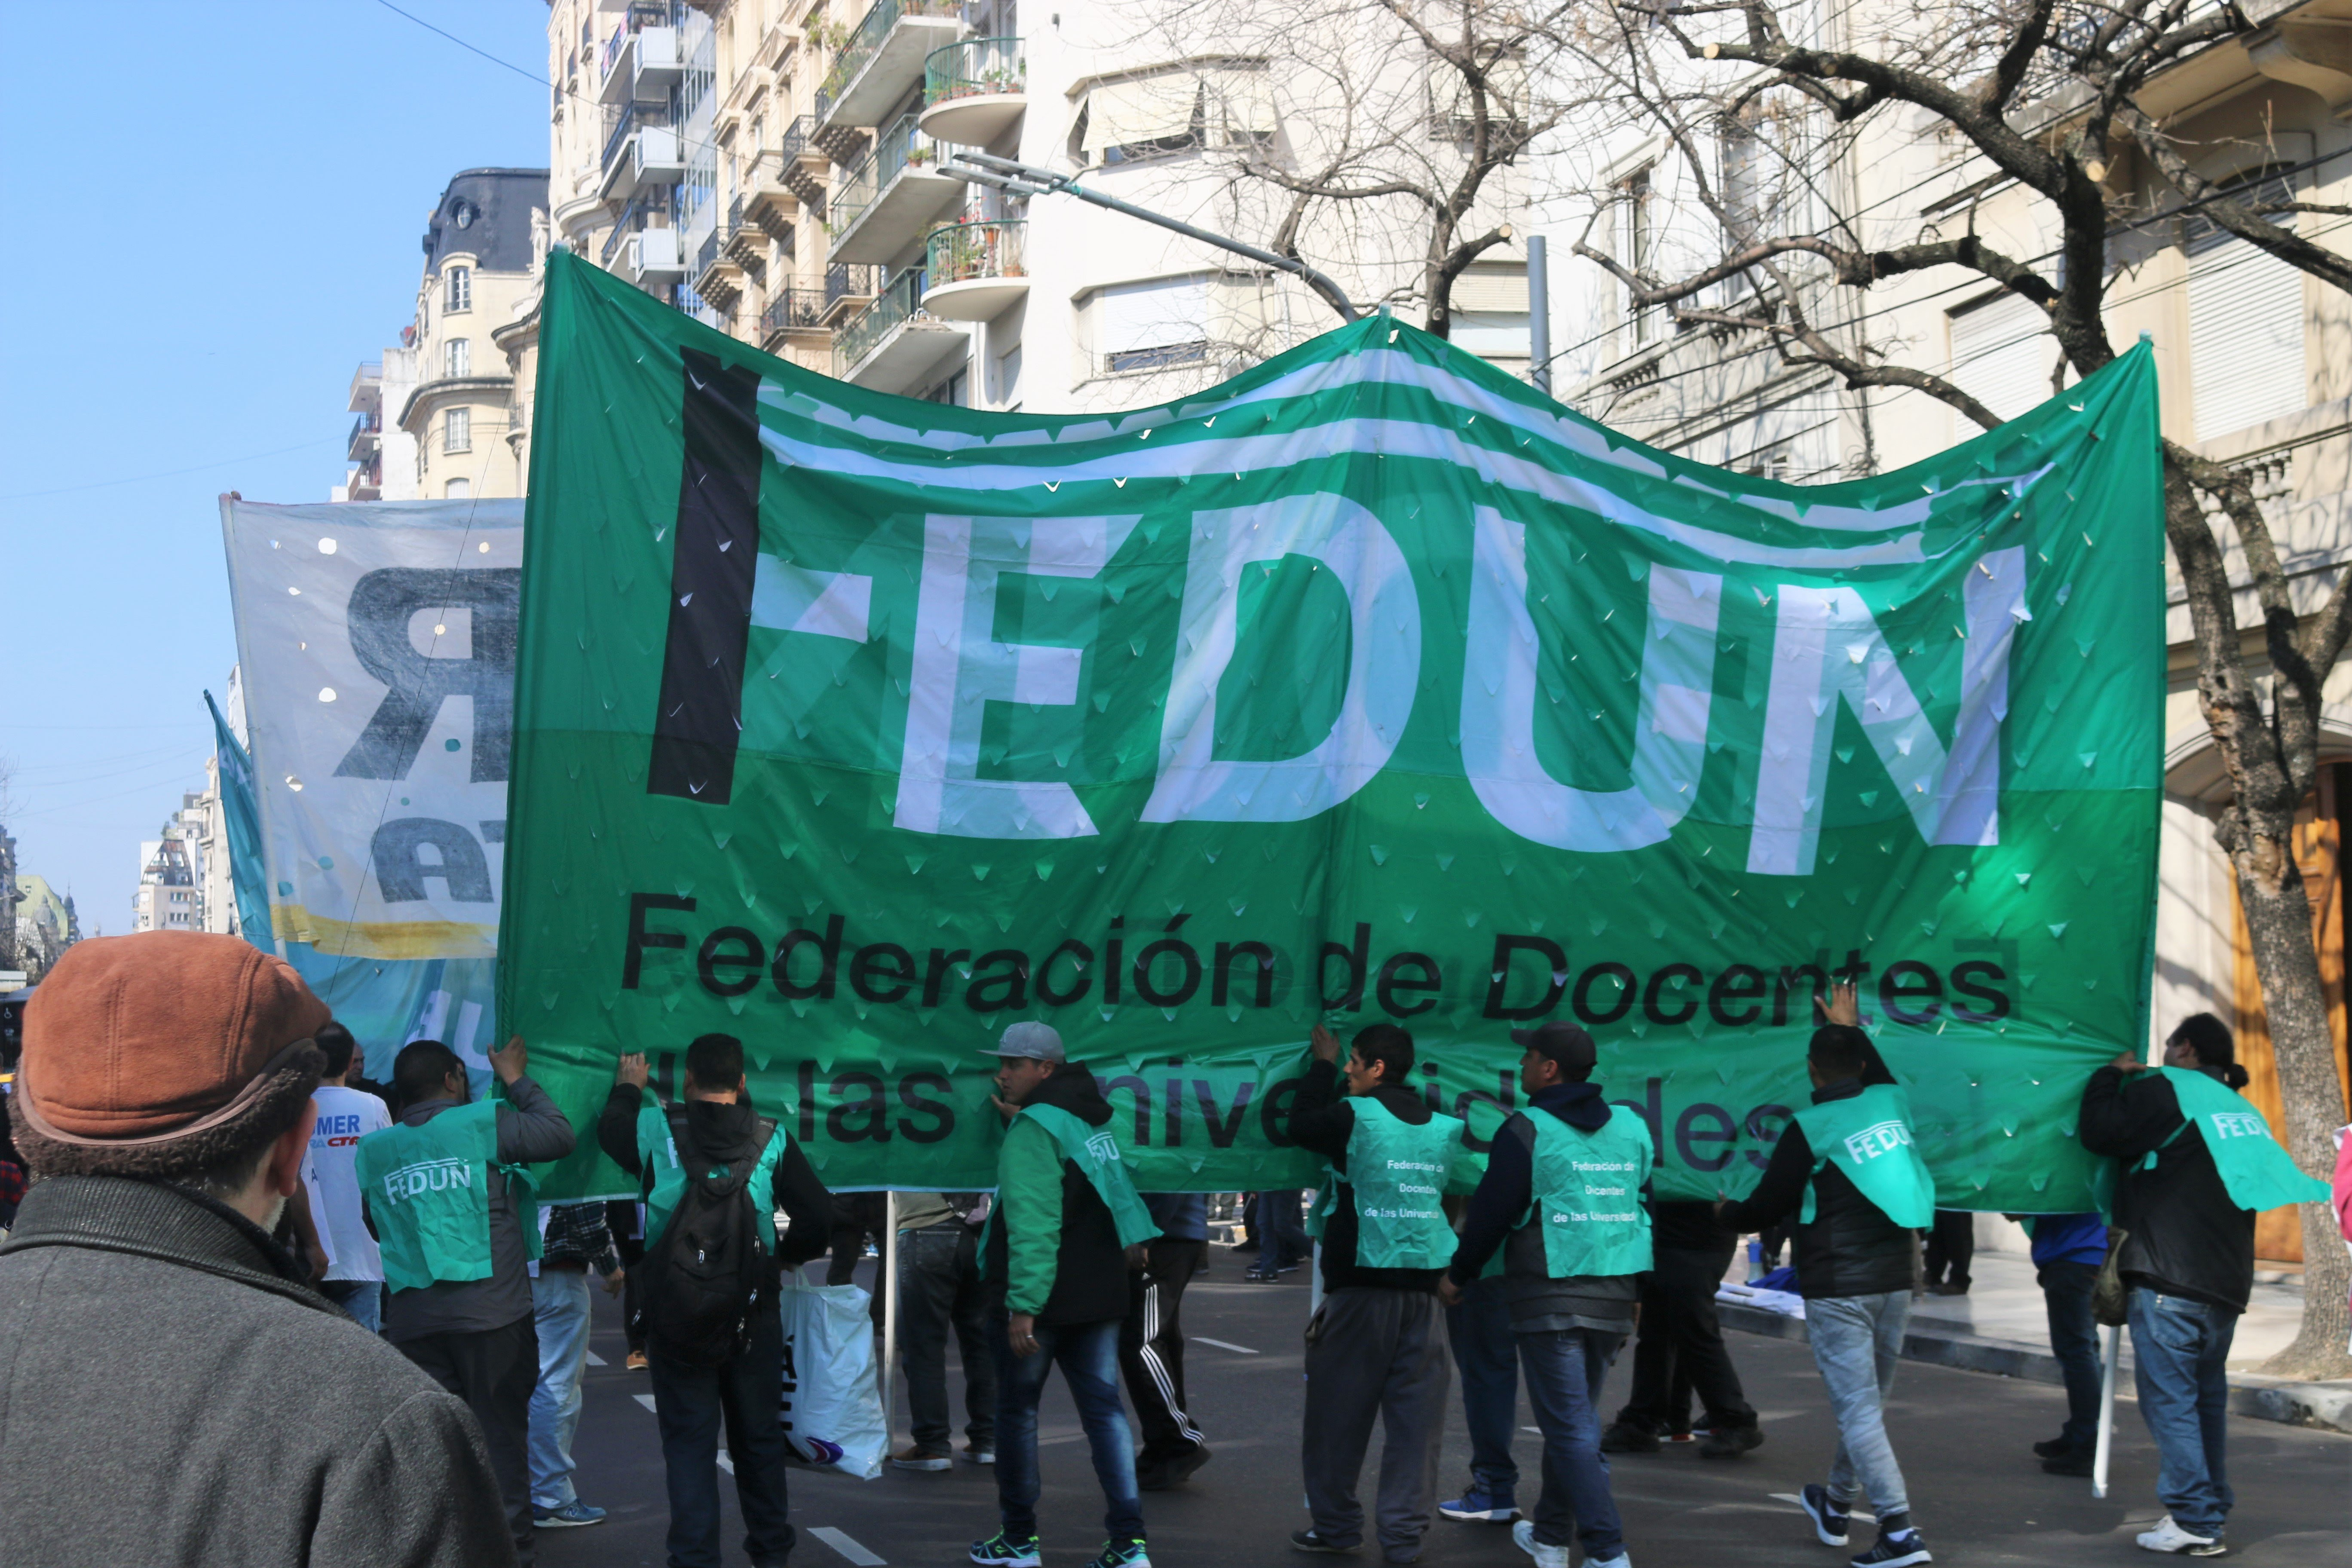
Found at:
[955, 391]
[457, 430]
[2001, 356]
[459, 287]
[2245, 321]
[458, 490]
[1490, 310]
[458, 357]
[1636, 249]
[1008, 375]
[1124, 122]
[1150, 326]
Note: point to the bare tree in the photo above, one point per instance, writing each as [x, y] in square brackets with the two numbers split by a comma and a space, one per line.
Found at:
[1408, 131]
[2051, 97]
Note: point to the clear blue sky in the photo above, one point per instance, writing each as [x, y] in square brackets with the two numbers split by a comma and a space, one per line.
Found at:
[215, 217]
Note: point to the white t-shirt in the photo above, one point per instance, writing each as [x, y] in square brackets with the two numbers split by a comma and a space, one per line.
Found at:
[345, 1116]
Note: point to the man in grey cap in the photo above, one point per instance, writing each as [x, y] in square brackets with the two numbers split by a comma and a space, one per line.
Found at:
[1573, 1166]
[1054, 1262]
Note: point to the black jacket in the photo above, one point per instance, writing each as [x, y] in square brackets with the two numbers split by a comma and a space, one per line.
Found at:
[173, 1393]
[1538, 1301]
[1851, 1248]
[2187, 1236]
[722, 1132]
[1090, 1283]
[1321, 1118]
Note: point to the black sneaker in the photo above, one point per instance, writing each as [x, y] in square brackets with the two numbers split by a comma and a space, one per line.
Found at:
[1307, 1541]
[1828, 1514]
[1896, 1549]
[1260, 1274]
[1730, 1442]
[2069, 1462]
[2051, 1449]
[1624, 1437]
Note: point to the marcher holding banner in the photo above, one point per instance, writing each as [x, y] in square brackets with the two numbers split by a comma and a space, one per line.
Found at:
[1561, 1199]
[1068, 1227]
[1376, 1348]
[2197, 1162]
[1849, 1165]
[448, 1194]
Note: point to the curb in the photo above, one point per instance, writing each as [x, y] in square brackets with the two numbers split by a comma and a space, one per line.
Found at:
[2326, 1406]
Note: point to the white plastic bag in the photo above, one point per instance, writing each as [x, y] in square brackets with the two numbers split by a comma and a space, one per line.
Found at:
[832, 1403]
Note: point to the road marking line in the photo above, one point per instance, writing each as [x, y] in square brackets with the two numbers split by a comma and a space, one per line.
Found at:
[847, 1547]
[1537, 1430]
[725, 1461]
[645, 1399]
[1239, 1350]
[595, 1360]
[1798, 1503]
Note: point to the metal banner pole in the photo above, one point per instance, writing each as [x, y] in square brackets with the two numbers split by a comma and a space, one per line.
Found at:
[1538, 314]
[2106, 1413]
[889, 1287]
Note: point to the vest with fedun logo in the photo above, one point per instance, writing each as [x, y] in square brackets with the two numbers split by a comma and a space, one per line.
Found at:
[427, 1190]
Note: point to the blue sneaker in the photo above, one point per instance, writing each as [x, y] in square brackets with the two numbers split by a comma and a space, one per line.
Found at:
[1829, 1515]
[571, 1516]
[1127, 1554]
[1483, 1507]
[1003, 1551]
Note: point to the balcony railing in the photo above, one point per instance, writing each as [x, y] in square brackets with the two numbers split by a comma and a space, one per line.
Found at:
[707, 254]
[900, 145]
[875, 28]
[625, 118]
[974, 67]
[963, 251]
[843, 281]
[788, 308]
[796, 137]
[898, 301]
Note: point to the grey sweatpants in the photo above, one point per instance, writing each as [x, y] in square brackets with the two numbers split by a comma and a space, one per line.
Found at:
[1377, 1354]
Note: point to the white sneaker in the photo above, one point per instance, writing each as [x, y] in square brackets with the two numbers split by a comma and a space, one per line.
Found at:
[1523, 1536]
[1623, 1560]
[2170, 1537]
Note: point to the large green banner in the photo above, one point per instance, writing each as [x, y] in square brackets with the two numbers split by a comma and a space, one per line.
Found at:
[1368, 685]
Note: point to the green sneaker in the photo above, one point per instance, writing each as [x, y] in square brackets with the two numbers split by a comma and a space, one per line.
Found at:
[1128, 1554]
[1002, 1550]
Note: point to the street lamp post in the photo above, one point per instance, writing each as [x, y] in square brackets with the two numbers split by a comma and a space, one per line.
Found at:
[1028, 180]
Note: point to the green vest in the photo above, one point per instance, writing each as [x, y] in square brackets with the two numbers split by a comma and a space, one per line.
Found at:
[427, 1189]
[664, 1177]
[1399, 1172]
[1587, 1190]
[1095, 1153]
[2258, 1174]
[1869, 1138]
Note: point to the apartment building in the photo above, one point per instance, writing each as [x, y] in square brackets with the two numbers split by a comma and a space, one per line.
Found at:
[2248, 355]
[443, 415]
[170, 896]
[773, 167]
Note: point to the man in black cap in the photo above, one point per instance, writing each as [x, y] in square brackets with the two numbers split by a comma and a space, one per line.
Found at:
[1561, 1199]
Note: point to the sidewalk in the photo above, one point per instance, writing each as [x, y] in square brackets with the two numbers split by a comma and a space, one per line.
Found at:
[1999, 1327]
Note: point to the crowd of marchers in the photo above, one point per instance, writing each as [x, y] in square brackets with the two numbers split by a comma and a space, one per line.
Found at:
[255, 1310]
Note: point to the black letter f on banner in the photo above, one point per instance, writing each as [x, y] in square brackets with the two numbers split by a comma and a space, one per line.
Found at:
[711, 574]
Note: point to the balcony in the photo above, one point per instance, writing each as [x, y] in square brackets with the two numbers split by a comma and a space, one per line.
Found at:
[366, 437]
[890, 196]
[891, 345]
[641, 65]
[975, 92]
[848, 290]
[975, 270]
[792, 314]
[746, 244]
[767, 200]
[717, 276]
[802, 164]
[653, 255]
[883, 60]
[649, 155]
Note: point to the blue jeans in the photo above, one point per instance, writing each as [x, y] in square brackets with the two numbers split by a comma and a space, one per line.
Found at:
[1857, 1343]
[1564, 1369]
[1088, 1354]
[2180, 1350]
[689, 1402]
[558, 1300]
[2075, 1341]
[362, 1298]
[1478, 1332]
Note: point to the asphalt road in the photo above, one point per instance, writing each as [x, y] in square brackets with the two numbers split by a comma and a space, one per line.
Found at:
[1963, 1438]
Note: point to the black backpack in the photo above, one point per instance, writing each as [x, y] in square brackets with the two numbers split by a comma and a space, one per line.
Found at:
[706, 1273]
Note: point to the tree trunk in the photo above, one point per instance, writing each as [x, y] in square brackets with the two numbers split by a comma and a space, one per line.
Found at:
[2278, 928]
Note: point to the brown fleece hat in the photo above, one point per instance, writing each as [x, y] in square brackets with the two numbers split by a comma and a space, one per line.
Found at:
[149, 1054]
